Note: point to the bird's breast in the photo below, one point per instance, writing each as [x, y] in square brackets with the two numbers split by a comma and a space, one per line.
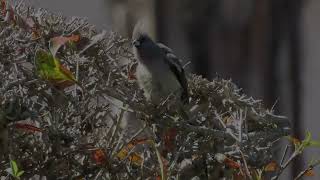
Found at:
[157, 83]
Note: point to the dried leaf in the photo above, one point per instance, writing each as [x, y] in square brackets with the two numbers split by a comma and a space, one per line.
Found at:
[294, 141]
[238, 176]
[231, 163]
[99, 156]
[27, 127]
[271, 167]
[3, 7]
[57, 42]
[310, 173]
[134, 157]
[169, 139]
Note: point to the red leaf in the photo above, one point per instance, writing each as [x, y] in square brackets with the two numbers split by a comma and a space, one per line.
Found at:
[27, 127]
[3, 7]
[231, 163]
[238, 176]
[99, 156]
[169, 138]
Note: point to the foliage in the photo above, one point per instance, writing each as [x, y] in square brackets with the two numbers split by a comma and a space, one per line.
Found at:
[75, 130]
[14, 170]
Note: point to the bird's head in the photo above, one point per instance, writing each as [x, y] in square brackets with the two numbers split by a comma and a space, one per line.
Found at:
[140, 37]
[142, 41]
[143, 44]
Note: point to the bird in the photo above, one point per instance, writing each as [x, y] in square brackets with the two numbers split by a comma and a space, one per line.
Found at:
[159, 72]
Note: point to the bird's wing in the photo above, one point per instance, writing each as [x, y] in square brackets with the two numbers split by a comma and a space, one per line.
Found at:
[165, 48]
[176, 67]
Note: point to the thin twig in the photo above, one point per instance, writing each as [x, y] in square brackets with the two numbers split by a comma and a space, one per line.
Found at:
[245, 165]
[309, 168]
[119, 119]
[284, 154]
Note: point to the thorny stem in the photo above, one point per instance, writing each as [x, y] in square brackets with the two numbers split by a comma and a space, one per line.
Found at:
[119, 119]
[310, 167]
[283, 167]
[245, 165]
[284, 154]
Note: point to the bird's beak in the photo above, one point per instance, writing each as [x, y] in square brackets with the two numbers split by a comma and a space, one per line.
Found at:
[136, 43]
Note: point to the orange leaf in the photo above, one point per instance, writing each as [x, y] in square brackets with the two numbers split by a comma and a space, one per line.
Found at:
[294, 141]
[27, 127]
[310, 173]
[99, 156]
[271, 167]
[134, 157]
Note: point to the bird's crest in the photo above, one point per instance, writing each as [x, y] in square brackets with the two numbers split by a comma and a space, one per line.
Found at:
[139, 30]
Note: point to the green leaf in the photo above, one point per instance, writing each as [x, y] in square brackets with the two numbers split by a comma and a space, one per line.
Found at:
[50, 69]
[14, 167]
[308, 142]
[314, 144]
[20, 173]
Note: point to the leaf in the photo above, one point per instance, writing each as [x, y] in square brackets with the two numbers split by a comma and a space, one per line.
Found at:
[131, 69]
[99, 156]
[50, 69]
[134, 157]
[14, 167]
[20, 173]
[3, 7]
[271, 167]
[308, 142]
[56, 42]
[307, 139]
[238, 176]
[310, 173]
[231, 163]
[314, 143]
[27, 127]
[295, 141]
[169, 139]
[8, 12]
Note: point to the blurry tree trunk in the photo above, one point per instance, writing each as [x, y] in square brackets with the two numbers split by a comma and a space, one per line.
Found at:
[126, 13]
[255, 44]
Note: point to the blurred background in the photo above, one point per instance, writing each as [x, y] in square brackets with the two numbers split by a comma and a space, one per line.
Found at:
[270, 48]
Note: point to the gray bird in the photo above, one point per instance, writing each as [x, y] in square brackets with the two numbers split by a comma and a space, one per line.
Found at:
[159, 72]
